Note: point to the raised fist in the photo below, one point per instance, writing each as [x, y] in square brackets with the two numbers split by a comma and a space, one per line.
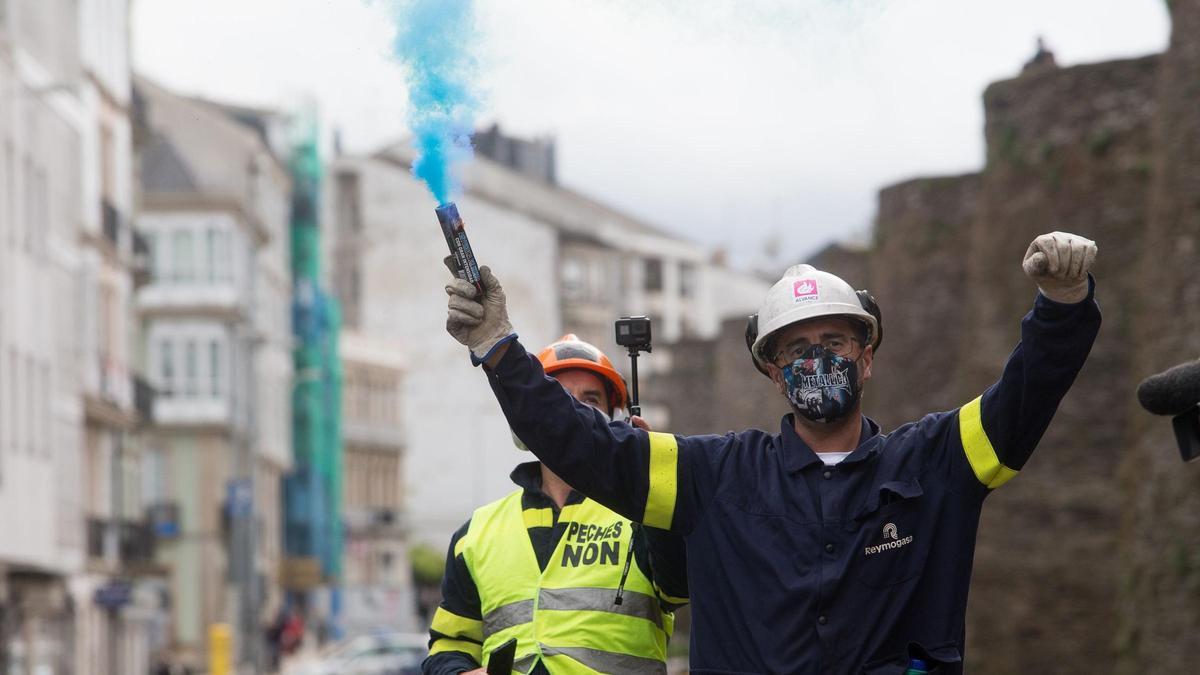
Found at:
[1059, 262]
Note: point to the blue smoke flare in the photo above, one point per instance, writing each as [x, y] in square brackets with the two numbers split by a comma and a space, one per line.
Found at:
[434, 40]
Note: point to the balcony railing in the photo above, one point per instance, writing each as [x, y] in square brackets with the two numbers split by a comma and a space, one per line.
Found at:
[134, 540]
[143, 399]
[137, 543]
[142, 272]
[164, 519]
[113, 382]
[95, 537]
[110, 222]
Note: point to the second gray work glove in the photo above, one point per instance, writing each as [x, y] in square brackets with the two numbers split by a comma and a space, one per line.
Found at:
[1059, 262]
[479, 323]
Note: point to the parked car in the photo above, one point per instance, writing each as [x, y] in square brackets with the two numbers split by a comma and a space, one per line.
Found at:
[381, 654]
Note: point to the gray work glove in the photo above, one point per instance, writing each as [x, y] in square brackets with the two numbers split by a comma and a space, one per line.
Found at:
[479, 323]
[1059, 262]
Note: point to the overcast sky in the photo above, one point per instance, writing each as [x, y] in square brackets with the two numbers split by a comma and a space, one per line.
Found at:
[726, 120]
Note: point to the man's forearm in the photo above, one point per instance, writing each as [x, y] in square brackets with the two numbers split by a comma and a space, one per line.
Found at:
[497, 354]
[1056, 339]
[606, 463]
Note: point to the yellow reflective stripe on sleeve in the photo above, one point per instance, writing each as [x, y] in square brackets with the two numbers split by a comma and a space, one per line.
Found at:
[458, 546]
[449, 623]
[538, 517]
[670, 599]
[472, 649]
[660, 498]
[980, 453]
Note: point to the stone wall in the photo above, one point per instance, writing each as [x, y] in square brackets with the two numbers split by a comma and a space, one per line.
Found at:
[1068, 150]
[918, 276]
[1159, 601]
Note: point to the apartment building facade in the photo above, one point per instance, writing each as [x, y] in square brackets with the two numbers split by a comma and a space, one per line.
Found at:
[216, 320]
[377, 585]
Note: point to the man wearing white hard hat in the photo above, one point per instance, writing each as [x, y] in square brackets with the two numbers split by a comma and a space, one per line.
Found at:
[828, 547]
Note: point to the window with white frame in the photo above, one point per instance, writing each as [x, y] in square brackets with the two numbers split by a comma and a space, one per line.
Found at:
[217, 254]
[153, 260]
[182, 256]
[30, 204]
[687, 280]
[10, 178]
[47, 425]
[191, 369]
[214, 368]
[166, 361]
[574, 278]
[652, 279]
[211, 253]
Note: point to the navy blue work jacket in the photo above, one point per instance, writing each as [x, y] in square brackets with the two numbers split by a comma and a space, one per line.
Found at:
[795, 567]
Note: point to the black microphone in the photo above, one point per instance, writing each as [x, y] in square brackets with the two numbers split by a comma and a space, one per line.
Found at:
[1173, 391]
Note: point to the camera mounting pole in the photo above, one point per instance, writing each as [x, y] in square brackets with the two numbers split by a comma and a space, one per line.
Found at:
[634, 408]
[633, 333]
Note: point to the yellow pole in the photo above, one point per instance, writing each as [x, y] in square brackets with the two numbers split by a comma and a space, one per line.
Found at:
[220, 643]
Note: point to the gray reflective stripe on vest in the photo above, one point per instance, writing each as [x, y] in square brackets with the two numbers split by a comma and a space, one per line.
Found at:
[601, 600]
[526, 664]
[507, 616]
[607, 662]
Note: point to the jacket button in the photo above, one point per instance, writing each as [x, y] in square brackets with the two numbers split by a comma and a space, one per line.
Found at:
[828, 475]
[829, 548]
[822, 620]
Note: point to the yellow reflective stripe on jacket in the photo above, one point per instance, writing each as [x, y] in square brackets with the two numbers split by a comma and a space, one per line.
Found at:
[980, 453]
[600, 600]
[599, 661]
[472, 649]
[450, 624]
[660, 498]
[507, 616]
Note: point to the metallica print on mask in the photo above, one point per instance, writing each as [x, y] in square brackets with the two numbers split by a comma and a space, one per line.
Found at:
[822, 385]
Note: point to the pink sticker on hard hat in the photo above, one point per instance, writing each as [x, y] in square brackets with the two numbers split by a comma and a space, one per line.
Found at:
[804, 289]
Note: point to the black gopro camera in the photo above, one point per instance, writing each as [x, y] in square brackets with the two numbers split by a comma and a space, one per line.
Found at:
[633, 333]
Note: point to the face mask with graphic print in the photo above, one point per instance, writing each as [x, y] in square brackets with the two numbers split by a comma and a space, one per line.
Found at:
[821, 385]
[524, 448]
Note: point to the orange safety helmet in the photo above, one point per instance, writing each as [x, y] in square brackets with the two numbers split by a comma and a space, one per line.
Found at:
[571, 352]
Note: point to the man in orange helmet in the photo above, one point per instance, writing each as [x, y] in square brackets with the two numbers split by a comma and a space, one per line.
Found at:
[598, 593]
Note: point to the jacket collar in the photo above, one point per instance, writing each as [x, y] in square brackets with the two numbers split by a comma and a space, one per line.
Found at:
[528, 476]
[796, 455]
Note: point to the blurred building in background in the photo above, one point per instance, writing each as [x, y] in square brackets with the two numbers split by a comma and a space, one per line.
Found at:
[122, 594]
[569, 263]
[378, 584]
[80, 590]
[42, 364]
[216, 312]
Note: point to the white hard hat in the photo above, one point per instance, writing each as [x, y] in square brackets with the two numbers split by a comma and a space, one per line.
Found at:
[804, 293]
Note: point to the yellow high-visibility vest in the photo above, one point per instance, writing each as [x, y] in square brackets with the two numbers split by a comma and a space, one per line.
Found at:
[565, 616]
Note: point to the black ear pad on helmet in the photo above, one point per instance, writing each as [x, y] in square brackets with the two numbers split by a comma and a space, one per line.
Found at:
[868, 303]
[751, 336]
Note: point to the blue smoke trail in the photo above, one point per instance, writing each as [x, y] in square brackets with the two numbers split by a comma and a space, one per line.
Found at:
[434, 39]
